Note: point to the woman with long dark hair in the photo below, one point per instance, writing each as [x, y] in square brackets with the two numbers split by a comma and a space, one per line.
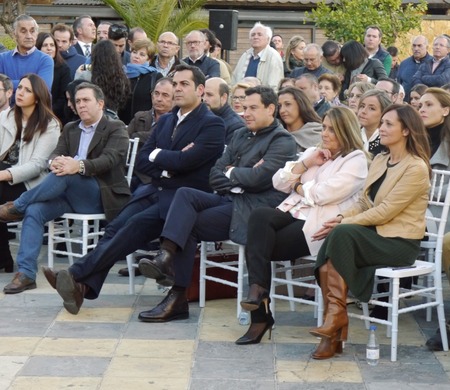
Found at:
[106, 71]
[29, 132]
[299, 118]
[46, 43]
[382, 229]
[358, 65]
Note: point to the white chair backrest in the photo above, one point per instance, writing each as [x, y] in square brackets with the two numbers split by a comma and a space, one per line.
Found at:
[439, 199]
[131, 157]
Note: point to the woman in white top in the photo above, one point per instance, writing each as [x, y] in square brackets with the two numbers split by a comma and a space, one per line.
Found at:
[370, 108]
[324, 181]
[28, 134]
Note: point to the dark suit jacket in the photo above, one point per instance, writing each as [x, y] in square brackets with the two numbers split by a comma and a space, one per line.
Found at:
[188, 168]
[80, 50]
[105, 160]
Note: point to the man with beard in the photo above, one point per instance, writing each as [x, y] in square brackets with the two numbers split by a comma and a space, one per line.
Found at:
[216, 96]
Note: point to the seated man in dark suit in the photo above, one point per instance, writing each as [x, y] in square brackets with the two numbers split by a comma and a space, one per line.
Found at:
[87, 176]
[242, 178]
[179, 153]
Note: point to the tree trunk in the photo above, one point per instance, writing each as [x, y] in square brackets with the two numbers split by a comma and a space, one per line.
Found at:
[11, 10]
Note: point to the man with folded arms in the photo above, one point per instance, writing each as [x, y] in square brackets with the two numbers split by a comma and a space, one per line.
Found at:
[180, 152]
[242, 179]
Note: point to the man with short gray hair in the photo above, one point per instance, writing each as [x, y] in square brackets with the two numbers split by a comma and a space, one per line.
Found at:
[195, 43]
[26, 58]
[261, 60]
[435, 72]
[313, 62]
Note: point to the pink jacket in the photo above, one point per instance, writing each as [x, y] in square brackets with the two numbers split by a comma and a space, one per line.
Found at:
[329, 189]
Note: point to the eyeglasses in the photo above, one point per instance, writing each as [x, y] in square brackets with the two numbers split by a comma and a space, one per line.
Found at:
[194, 43]
[168, 43]
[240, 98]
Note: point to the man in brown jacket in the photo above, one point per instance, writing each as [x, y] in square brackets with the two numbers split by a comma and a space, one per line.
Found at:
[87, 176]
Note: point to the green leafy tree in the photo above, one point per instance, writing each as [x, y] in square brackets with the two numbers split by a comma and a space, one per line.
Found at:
[343, 20]
[158, 16]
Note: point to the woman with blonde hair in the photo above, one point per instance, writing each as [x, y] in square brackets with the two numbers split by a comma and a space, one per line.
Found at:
[238, 96]
[355, 91]
[324, 181]
[294, 54]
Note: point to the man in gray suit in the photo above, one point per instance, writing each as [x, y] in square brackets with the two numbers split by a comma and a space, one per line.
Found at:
[87, 176]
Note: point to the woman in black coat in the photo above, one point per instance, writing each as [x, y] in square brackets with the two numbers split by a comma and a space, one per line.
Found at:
[142, 78]
[359, 67]
[61, 74]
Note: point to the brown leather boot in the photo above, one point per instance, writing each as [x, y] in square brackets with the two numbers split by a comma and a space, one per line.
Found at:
[327, 348]
[336, 320]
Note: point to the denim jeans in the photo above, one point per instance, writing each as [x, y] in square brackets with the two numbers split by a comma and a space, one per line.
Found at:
[52, 198]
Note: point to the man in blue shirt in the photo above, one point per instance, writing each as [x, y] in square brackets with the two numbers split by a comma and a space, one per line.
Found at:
[26, 58]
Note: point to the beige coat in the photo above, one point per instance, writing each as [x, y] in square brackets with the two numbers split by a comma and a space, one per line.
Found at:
[398, 209]
[33, 156]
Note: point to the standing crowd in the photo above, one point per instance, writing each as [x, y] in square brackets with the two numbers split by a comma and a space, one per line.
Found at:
[319, 150]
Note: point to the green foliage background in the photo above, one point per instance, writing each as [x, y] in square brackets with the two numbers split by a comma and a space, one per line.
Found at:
[347, 19]
[158, 16]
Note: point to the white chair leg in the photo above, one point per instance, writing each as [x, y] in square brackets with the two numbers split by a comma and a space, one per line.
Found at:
[394, 330]
[130, 261]
[51, 233]
[290, 287]
[240, 279]
[202, 282]
[319, 299]
[273, 267]
[365, 308]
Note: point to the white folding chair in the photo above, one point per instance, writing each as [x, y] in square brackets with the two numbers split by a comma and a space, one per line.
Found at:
[237, 266]
[89, 232]
[429, 285]
[283, 275]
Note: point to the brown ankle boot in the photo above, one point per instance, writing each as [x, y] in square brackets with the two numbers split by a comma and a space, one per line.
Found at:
[336, 320]
[327, 348]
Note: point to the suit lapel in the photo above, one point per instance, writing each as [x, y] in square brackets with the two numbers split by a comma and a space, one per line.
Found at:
[98, 135]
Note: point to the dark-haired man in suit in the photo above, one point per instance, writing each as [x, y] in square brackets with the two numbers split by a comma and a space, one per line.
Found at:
[180, 152]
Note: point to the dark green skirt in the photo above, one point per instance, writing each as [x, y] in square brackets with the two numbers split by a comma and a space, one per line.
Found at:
[357, 251]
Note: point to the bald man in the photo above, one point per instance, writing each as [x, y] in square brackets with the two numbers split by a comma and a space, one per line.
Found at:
[216, 97]
[166, 59]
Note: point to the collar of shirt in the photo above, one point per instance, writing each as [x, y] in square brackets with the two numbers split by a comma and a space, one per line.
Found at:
[181, 117]
[32, 50]
[259, 55]
[436, 61]
[164, 71]
[198, 59]
[89, 129]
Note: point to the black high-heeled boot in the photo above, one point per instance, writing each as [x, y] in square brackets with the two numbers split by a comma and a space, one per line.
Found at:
[262, 321]
[6, 262]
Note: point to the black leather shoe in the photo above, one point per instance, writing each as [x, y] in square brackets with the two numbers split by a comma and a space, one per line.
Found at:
[435, 343]
[50, 275]
[256, 296]
[70, 291]
[124, 272]
[173, 307]
[160, 268]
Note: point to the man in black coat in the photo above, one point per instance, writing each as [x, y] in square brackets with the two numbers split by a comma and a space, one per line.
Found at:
[242, 179]
[216, 96]
[179, 153]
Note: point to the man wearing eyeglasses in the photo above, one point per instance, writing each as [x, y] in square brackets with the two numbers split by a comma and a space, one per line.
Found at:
[391, 87]
[435, 72]
[166, 60]
[195, 43]
[313, 62]
[118, 34]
